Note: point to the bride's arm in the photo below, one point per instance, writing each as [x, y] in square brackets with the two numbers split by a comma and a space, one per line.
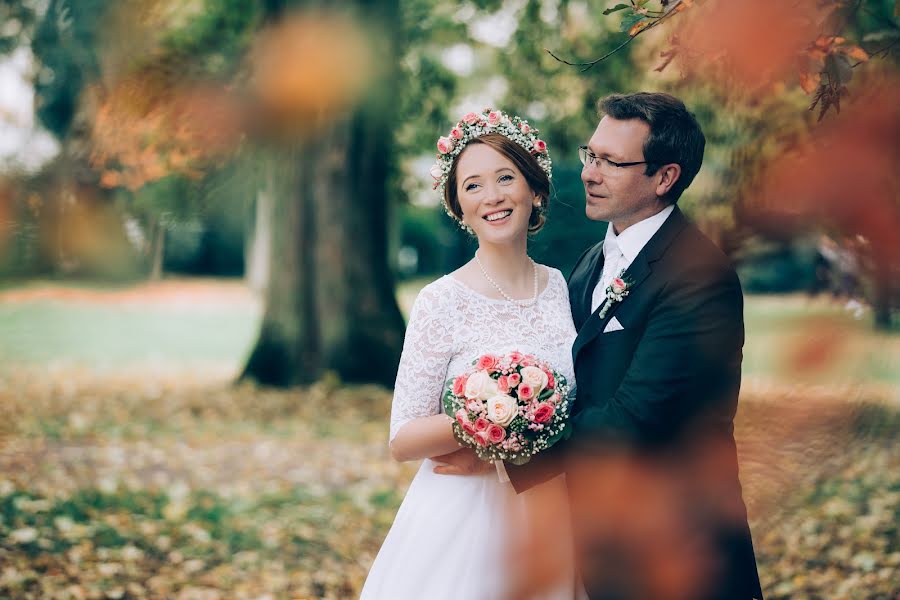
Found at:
[424, 437]
[418, 427]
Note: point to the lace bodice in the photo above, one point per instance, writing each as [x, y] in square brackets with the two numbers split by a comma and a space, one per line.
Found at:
[450, 325]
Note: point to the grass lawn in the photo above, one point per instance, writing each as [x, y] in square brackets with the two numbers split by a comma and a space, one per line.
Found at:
[170, 322]
[789, 340]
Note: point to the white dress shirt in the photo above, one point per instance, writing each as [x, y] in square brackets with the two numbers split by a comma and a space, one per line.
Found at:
[619, 251]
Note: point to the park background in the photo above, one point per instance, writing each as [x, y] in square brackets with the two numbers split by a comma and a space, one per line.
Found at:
[215, 216]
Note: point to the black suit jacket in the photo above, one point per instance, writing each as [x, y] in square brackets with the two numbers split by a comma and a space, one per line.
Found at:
[664, 388]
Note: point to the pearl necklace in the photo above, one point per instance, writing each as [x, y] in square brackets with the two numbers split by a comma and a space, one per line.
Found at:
[523, 303]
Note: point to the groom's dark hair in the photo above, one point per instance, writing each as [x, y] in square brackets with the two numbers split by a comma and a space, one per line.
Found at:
[675, 136]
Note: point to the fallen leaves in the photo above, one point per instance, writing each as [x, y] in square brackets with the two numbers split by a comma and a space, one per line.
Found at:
[177, 485]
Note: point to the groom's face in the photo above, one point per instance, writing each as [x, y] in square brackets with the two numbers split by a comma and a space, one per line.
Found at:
[620, 195]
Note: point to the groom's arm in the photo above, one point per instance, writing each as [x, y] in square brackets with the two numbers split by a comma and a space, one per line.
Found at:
[688, 357]
[542, 467]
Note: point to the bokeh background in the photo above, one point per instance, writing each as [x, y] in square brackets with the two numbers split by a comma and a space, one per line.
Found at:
[215, 216]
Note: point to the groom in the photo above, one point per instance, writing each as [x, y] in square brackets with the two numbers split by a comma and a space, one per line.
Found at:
[651, 464]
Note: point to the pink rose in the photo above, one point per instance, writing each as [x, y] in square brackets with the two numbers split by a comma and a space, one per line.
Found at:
[444, 145]
[528, 361]
[436, 171]
[515, 356]
[554, 399]
[459, 385]
[488, 362]
[481, 424]
[496, 434]
[456, 133]
[540, 146]
[551, 381]
[469, 428]
[482, 438]
[503, 384]
[526, 392]
[513, 380]
[525, 127]
[470, 118]
[493, 117]
[543, 412]
[462, 418]
[618, 285]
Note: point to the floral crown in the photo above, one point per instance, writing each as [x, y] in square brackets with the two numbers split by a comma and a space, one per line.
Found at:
[473, 126]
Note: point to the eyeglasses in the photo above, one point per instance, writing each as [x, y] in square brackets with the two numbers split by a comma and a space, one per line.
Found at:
[606, 166]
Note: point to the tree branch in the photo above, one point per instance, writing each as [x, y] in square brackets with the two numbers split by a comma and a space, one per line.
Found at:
[657, 21]
[875, 54]
[591, 64]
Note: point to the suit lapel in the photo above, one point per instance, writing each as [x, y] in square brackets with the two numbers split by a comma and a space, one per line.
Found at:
[635, 274]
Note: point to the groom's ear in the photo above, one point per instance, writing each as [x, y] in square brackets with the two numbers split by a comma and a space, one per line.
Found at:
[667, 176]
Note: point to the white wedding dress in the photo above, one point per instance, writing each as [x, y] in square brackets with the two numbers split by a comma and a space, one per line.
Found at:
[449, 538]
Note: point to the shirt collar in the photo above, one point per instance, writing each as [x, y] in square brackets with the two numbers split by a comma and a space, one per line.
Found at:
[632, 240]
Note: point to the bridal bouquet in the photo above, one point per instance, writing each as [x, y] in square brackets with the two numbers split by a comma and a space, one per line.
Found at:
[508, 407]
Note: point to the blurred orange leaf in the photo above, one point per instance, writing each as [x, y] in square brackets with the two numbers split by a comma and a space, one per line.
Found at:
[855, 52]
[310, 68]
[751, 44]
[638, 27]
[810, 81]
[110, 179]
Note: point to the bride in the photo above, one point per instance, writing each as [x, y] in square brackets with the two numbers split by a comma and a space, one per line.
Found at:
[463, 536]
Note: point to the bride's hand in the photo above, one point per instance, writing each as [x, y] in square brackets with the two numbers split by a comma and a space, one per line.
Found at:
[461, 462]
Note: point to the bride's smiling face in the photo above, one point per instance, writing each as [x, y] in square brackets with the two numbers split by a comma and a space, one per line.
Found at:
[495, 198]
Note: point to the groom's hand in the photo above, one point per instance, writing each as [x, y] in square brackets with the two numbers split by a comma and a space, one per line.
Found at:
[461, 462]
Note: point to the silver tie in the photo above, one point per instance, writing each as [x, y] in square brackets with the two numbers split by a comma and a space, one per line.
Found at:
[612, 264]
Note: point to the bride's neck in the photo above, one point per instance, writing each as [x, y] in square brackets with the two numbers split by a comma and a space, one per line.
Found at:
[507, 264]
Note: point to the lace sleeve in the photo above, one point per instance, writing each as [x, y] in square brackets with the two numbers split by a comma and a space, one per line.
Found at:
[427, 350]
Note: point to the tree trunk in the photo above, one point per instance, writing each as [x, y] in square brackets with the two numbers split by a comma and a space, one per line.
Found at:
[883, 294]
[258, 255]
[362, 328]
[287, 351]
[157, 249]
[330, 302]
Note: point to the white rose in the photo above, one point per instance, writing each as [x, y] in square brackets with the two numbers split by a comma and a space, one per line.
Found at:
[436, 171]
[502, 409]
[480, 385]
[536, 378]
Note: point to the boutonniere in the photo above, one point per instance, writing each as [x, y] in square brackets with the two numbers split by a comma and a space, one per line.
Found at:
[615, 292]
